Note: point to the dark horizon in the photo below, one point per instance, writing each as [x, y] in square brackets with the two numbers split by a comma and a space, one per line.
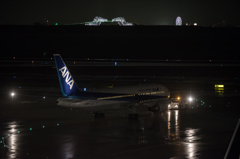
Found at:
[142, 12]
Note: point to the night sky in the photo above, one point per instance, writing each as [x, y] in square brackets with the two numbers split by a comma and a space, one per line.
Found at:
[147, 12]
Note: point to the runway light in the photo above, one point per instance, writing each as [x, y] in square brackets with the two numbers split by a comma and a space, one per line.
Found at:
[43, 97]
[18, 131]
[0, 141]
[2, 137]
[12, 94]
[30, 128]
[178, 98]
[84, 89]
[57, 124]
[14, 77]
[190, 99]
[43, 126]
[115, 63]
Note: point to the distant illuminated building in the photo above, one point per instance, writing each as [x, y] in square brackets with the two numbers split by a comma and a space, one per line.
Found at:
[121, 21]
[178, 21]
[99, 19]
[102, 21]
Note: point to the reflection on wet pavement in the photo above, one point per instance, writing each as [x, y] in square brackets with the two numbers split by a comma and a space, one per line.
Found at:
[10, 141]
[173, 125]
[109, 137]
[203, 131]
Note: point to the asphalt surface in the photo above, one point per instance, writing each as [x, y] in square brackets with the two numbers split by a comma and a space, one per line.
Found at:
[33, 126]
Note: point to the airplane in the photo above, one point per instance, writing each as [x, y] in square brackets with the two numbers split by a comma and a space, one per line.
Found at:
[154, 97]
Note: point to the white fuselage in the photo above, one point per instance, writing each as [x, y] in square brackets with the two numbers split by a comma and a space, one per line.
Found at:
[118, 98]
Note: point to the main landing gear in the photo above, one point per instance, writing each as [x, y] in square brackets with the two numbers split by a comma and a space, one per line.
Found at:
[99, 115]
[133, 116]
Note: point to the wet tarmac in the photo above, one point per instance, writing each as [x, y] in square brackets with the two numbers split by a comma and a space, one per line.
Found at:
[33, 126]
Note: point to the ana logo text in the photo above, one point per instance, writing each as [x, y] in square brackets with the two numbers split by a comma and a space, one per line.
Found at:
[65, 73]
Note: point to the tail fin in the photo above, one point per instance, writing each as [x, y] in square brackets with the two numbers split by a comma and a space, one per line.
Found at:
[68, 86]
